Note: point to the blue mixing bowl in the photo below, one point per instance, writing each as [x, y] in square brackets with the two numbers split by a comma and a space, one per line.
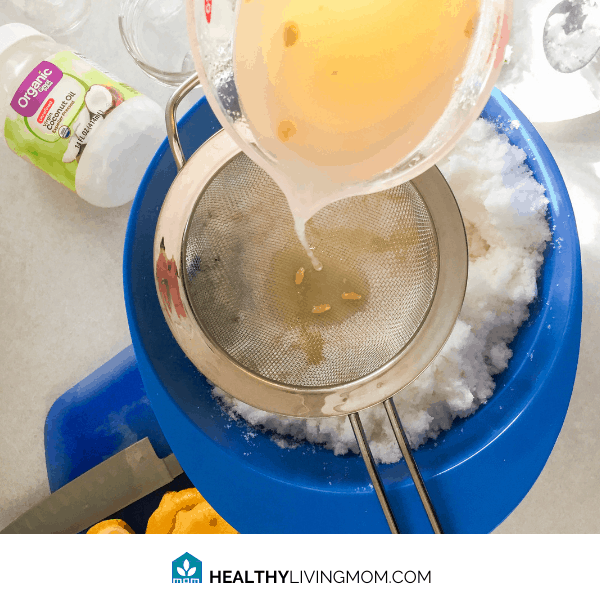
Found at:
[476, 473]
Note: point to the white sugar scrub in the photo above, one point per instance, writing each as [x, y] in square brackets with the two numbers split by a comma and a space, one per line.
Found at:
[504, 211]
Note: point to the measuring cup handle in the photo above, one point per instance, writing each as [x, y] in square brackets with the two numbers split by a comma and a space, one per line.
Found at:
[170, 114]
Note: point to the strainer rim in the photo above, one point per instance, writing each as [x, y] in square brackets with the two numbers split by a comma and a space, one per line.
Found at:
[224, 371]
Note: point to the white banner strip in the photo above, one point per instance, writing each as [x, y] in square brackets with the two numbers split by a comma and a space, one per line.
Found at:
[487, 567]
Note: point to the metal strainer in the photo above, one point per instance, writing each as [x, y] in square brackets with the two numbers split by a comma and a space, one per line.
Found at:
[243, 302]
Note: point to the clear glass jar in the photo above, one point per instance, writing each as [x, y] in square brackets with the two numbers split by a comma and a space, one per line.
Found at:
[155, 35]
[54, 17]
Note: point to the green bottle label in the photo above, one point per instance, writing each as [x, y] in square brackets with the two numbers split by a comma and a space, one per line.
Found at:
[57, 110]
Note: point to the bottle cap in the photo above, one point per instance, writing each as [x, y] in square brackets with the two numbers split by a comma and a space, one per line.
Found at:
[15, 32]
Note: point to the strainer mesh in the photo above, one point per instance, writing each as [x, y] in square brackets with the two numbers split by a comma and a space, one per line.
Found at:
[242, 259]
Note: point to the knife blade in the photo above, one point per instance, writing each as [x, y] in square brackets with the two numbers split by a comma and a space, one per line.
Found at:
[103, 490]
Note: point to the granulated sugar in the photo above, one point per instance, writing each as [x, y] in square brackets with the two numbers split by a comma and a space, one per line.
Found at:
[504, 210]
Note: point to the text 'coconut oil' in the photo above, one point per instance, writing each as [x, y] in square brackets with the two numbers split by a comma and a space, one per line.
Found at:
[87, 130]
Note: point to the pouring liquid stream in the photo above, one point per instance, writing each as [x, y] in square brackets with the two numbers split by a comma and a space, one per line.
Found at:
[300, 227]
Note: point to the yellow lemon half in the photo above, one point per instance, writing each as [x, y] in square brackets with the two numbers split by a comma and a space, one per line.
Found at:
[186, 512]
[111, 526]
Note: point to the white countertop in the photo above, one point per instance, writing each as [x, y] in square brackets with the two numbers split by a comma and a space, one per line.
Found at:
[62, 312]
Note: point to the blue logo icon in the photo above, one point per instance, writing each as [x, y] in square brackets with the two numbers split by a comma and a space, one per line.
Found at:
[187, 569]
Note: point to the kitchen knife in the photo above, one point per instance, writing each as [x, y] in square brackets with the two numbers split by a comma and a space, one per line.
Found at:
[103, 490]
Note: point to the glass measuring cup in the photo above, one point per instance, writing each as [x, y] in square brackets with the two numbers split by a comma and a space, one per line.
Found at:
[238, 73]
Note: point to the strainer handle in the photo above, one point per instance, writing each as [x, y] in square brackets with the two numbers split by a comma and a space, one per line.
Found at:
[170, 114]
[412, 465]
[365, 452]
[402, 440]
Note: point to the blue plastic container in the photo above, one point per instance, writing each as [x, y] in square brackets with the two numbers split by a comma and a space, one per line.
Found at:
[477, 472]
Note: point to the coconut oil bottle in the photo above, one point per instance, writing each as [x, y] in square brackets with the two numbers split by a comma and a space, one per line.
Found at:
[87, 130]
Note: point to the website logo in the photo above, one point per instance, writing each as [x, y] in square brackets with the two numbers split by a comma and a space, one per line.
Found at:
[187, 569]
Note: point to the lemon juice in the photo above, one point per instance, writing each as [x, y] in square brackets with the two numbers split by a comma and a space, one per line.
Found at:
[346, 88]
